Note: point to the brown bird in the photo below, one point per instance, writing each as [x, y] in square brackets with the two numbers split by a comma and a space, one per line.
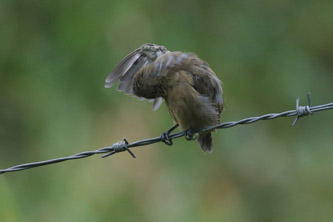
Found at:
[190, 88]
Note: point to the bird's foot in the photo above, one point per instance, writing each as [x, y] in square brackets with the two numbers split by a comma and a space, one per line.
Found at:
[165, 135]
[189, 135]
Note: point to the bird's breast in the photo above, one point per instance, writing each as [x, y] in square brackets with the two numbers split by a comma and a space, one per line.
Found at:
[190, 109]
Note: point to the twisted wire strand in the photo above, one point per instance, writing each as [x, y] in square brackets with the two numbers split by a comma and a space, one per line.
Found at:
[124, 145]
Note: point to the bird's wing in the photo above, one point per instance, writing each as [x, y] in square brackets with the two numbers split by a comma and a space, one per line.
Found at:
[206, 83]
[125, 71]
[205, 80]
[122, 68]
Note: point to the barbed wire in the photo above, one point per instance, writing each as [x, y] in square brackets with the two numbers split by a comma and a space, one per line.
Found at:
[124, 145]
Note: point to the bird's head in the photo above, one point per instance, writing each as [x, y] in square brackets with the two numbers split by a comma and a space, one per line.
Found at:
[152, 51]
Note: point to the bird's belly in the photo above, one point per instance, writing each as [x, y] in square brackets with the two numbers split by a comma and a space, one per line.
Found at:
[190, 109]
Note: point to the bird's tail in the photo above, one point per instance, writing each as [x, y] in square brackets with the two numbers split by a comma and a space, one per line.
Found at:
[205, 141]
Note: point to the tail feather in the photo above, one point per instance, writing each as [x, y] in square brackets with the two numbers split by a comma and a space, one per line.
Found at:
[206, 142]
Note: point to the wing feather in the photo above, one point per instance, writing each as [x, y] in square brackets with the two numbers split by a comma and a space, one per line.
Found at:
[207, 84]
[125, 71]
[122, 68]
[126, 81]
[157, 103]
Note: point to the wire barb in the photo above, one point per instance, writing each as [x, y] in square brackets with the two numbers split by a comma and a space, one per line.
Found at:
[303, 110]
[165, 135]
[125, 145]
[119, 147]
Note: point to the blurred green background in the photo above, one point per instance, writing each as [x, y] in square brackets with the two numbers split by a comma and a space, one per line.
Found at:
[54, 57]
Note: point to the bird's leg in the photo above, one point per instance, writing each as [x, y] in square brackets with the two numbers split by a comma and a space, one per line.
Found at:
[189, 135]
[165, 135]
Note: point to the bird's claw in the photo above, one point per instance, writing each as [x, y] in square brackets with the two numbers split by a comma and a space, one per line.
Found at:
[189, 135]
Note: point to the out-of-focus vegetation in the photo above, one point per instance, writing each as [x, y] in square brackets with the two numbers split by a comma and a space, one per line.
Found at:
[54, 57]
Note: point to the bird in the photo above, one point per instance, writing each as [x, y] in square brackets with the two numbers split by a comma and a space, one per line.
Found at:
[191, 90]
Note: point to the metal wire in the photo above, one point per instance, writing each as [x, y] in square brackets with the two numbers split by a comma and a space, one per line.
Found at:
[124, 145]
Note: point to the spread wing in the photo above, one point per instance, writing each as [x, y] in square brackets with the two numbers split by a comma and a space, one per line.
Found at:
[122, 68]
[125, 72]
